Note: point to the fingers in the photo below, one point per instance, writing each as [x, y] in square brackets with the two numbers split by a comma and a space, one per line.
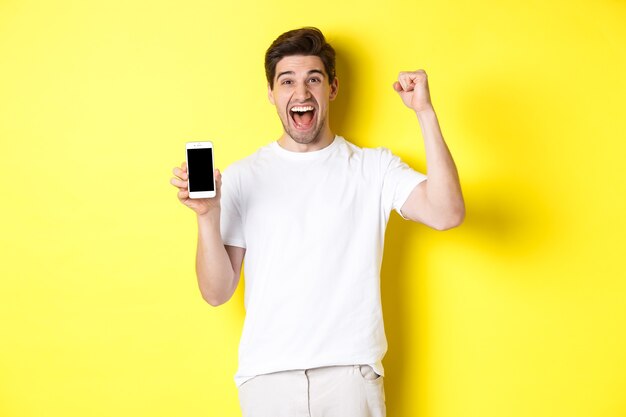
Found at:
[408, 80]
[180, 181]
[177, 182]
[183, 195]
[405, 81]
[180, 173]
[181, 177]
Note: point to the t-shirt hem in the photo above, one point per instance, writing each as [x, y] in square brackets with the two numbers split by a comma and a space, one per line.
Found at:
[375, 364]
[238, 243]
[406, 192]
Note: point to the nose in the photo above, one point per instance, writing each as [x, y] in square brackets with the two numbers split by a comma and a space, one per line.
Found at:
[302, 92]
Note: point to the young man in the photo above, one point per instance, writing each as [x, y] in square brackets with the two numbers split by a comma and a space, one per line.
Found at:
[309, 213]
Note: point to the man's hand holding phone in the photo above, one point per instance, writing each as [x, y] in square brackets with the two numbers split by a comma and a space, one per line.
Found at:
[218, 266]
[202, 206]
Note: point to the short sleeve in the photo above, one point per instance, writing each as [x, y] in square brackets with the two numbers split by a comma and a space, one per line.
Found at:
[399, 180]
[231, 220]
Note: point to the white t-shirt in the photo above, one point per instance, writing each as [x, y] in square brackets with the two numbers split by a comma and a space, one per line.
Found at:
[313, 225]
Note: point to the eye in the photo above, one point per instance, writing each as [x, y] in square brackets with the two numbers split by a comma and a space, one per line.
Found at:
[286, 82]
[314, 80]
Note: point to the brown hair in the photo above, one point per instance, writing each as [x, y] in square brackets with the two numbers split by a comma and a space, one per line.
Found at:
[303, 41]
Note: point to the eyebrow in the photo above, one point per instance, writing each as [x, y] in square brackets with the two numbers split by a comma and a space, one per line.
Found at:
[313, 71]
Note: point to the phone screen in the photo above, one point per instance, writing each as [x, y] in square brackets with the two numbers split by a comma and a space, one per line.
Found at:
[200, 169]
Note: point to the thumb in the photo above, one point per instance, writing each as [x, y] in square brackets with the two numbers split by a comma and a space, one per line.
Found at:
[397, 86]
[218, 182]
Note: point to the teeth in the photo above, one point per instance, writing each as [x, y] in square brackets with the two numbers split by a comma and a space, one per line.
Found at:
[302, 109]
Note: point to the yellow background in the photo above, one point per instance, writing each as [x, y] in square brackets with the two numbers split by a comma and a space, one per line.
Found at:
[519, 312]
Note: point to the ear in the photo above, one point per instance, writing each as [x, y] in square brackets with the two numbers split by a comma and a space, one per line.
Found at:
[334, 88]
[270, 96]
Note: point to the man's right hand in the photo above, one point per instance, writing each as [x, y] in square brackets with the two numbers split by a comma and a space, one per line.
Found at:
[202, 206]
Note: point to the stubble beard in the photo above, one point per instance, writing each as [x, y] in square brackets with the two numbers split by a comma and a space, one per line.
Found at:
[303, 138]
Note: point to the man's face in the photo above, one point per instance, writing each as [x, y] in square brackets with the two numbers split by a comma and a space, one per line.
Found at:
[302, 96]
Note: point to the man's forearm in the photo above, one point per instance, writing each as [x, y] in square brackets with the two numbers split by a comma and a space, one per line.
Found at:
[443, 189]
[213, 267]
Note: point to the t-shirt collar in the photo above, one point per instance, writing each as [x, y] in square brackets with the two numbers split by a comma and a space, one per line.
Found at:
[320, 153]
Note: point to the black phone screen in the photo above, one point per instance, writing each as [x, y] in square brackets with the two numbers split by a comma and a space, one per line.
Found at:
[200, 169]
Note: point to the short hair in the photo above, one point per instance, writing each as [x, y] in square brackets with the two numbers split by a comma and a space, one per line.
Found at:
[303, 41]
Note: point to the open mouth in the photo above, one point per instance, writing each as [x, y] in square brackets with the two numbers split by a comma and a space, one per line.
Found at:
[302, 116]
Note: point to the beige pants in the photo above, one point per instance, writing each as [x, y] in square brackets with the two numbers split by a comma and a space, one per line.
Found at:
[331, 391]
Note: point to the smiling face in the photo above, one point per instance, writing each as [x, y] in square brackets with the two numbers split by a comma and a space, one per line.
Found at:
[302, 94]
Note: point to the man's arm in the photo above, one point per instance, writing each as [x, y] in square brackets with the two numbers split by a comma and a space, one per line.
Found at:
[218, 266]
[438, 201]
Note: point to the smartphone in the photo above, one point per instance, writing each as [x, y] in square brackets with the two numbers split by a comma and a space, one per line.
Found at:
[201, 182]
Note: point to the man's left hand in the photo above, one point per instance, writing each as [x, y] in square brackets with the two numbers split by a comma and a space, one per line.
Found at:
[413, 89]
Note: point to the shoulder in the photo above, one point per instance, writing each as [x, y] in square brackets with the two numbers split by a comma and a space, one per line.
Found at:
[247, 163]
[371, 154]
[379, 156]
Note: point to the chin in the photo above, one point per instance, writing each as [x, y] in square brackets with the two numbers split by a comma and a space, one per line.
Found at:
[305, 138]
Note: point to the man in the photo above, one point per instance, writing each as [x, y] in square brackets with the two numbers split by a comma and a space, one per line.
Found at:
[309, 213]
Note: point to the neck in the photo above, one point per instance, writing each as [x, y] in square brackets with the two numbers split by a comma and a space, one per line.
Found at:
[324, 139]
